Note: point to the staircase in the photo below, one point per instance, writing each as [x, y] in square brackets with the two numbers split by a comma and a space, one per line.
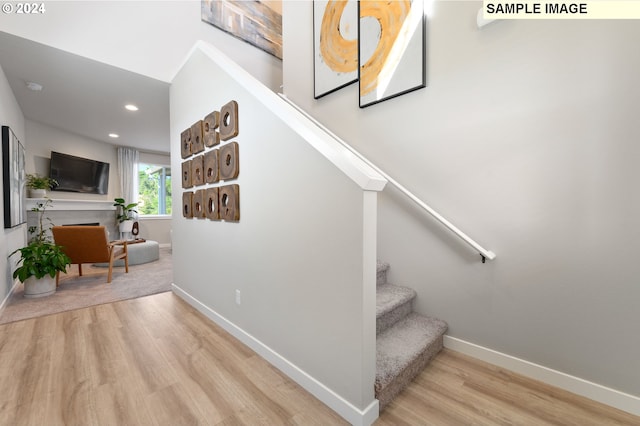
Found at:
[405, 341]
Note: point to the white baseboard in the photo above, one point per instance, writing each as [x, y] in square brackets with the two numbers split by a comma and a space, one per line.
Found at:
[334, 401]
[6, 299]
[594, 391]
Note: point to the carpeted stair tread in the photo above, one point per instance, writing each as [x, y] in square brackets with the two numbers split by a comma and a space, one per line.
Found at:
[381, 272]
[403, 342]
[392, 304]
[402, 352]
[389, 296]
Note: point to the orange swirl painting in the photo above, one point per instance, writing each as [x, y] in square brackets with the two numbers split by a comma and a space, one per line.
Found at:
[379, 43]
[391, 49]
[335, 33]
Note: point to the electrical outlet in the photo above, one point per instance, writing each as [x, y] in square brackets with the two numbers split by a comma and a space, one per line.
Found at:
[238, 297]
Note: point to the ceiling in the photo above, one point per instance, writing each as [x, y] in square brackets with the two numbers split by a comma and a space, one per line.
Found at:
[86, 97]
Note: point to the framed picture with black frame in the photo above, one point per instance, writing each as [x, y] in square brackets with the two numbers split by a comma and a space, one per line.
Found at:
[335, 45]
[13, 179]
[391, 49]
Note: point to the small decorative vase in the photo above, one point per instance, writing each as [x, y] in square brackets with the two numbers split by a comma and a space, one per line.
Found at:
[126, 226]
[39, 287]
[125, 229]
[37, 193]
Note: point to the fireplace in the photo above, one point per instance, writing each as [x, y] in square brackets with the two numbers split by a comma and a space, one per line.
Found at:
[78, 212]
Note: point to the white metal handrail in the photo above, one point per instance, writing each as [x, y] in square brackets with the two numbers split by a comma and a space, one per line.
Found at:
[484, 253]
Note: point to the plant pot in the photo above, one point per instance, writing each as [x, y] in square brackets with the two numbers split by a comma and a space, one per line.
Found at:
[37, 193]
[39, 287]
[126, 226]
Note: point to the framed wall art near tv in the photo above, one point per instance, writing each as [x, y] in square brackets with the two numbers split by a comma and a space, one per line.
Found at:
[13, 179]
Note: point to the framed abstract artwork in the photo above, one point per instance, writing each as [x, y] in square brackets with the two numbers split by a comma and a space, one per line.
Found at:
[256, 22]
[335, 45]
[391, 49]
[13, 179]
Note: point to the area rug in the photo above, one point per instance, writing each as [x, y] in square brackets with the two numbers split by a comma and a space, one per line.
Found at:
[91, 289]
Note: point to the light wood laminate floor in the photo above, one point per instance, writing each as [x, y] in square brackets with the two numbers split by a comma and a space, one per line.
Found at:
[157, 361]
[456, 389]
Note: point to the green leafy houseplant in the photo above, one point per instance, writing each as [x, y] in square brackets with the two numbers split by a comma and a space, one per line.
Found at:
[41, 256]
[124, 211]
[35, 181]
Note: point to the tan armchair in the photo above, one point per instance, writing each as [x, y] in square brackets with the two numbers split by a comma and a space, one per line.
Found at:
[89, 244]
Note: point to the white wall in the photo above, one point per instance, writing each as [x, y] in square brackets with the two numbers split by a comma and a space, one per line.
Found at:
[148, 37]
[13, 238]
[155, 158]
[527, 139]
[156, 229]
[297, 253]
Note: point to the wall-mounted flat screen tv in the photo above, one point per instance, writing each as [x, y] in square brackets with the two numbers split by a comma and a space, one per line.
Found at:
[76, 174]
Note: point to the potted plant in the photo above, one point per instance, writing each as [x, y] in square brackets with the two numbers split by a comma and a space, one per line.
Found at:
[125, 214]
[38, 185]
[41, 259]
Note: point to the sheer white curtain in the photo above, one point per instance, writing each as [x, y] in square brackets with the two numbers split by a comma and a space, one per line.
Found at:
[128, 166]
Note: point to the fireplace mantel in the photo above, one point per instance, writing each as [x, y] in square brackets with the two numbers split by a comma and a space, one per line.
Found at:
[66, 204]
[74, 212]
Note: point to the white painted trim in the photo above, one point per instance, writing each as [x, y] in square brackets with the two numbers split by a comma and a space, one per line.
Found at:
[334, 401]
[6, 299]
[594, 391]
[146, 217]
[369, 258]
[66, 204]
[356, 169]
[164, 245]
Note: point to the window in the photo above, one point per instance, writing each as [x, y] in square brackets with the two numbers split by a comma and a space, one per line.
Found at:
[154, 189]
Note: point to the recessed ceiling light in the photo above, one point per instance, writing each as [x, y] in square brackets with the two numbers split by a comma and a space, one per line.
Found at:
[114, 135]
[34, 86]
[131, 107]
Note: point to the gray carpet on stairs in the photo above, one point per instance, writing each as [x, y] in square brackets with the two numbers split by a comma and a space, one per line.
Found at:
[381, 272]
[403, 351]
[392, 304]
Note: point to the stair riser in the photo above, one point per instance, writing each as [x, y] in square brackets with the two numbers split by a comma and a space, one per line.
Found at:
[386, 395]
[390, 318]
[381, 277]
